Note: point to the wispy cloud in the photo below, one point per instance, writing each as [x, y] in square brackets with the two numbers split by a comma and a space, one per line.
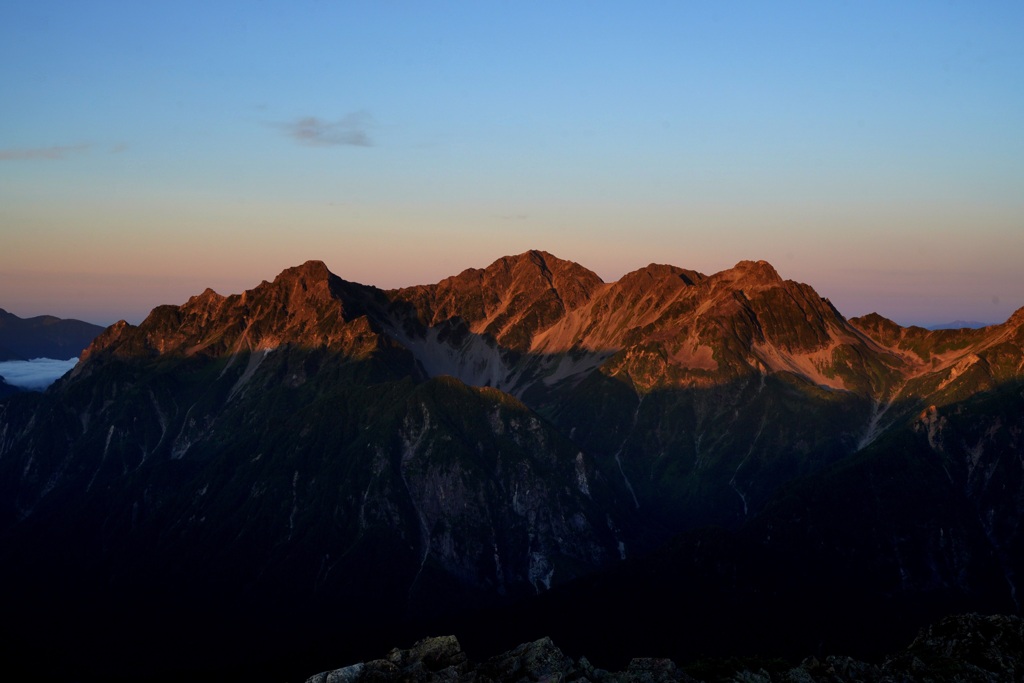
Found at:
[352, 130]
[55, 152]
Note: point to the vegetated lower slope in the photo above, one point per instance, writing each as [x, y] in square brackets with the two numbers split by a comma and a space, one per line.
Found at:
[43, 336]
[316, 459]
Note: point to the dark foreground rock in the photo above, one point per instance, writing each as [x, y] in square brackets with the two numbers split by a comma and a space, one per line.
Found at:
[958, 649]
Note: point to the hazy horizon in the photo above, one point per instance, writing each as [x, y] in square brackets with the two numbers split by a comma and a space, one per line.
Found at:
[138, 314]
[874, 151]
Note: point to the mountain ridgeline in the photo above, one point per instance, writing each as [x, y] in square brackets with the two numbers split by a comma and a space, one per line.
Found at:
[43, 336]
[516, 451]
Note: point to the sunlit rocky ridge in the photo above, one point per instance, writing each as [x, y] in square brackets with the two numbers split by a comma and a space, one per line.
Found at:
[315, 447]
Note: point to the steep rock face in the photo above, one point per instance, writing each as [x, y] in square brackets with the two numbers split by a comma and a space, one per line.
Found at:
[939, 357]
[979, 442]
[284, 483]
[306, 306]
[618, 312]
[279, 445]
[290, 451]
[510, 300]
[696, 397]
[480, 325]
[529, 322]
[664, 361]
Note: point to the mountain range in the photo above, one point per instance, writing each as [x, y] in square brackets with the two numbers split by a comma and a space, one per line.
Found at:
[515, 451]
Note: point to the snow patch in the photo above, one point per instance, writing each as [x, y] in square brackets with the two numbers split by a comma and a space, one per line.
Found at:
[103, 458]
[581, 476]
[255, 359]
[625, 479]
[477, 361]
[618, 460]
[571, 366]
[183, 442]
[750, 453]
[874, 428]
[161, 417]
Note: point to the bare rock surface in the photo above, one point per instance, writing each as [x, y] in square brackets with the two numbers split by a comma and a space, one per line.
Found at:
[958, 649]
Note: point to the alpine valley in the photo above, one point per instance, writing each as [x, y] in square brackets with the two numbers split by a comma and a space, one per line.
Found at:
[280, 482]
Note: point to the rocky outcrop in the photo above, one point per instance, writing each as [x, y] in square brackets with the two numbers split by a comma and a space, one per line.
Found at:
[441, 660]
[958, 649]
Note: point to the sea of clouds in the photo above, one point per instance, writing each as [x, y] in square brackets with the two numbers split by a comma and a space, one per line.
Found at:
[35, 374]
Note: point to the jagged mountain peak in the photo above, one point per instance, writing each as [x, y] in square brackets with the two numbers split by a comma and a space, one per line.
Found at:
[312, 269]
[510, 300]
[536, 269]
[206, 297]
[878, 327]
[310, 280]
[657, 272]
[108, 338]
[537, 257]
[305, 305]
[751, 273]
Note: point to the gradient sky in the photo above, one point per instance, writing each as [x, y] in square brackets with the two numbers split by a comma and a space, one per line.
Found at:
[151, 149]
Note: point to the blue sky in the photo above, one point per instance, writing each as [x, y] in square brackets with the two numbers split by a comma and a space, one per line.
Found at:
[873, 150]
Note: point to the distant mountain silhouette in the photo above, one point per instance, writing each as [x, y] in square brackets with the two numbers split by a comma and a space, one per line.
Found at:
[957, 324]
[43, 336]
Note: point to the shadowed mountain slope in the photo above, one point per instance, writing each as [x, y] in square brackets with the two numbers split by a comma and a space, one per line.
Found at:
[348, 462]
